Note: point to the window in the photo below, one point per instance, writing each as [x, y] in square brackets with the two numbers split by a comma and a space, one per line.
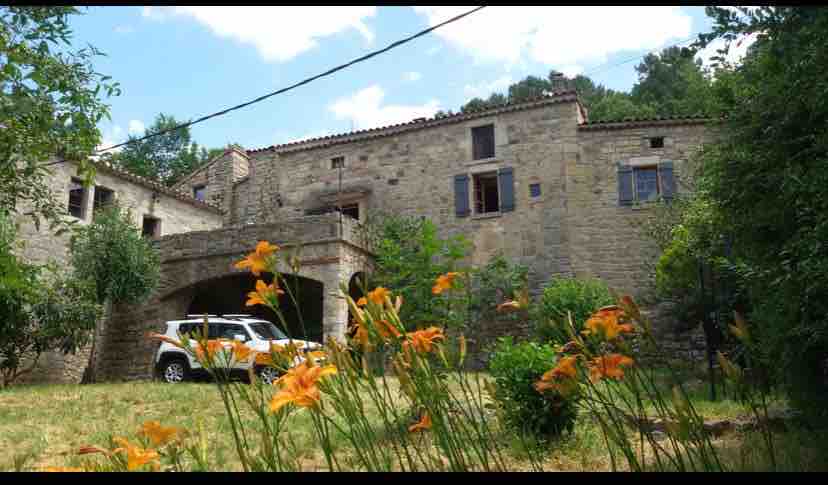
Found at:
[229, 331]
[337, 162]
[483, 142]
[351, 210]
[646, 183]
[657, 142]
[267, 331]
[151, 227]
[77, 198]
[199, 191]
[486, 194]
[534, 190]
[103, 197]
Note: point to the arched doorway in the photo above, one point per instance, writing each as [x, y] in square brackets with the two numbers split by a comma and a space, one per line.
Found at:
[227, 295]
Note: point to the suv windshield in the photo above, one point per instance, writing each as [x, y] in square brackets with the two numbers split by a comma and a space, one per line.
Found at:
[267, 331]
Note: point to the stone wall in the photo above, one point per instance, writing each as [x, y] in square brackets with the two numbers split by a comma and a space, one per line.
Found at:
[41, 246]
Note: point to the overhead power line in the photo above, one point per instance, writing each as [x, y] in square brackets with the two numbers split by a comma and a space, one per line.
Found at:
[300, 83]
[604, 67]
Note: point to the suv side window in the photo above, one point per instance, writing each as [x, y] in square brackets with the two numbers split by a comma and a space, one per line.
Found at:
[214, 331]
[228, 330]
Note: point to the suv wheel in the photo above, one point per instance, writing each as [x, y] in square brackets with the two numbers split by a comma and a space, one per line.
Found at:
[268, 374]
[174, 370]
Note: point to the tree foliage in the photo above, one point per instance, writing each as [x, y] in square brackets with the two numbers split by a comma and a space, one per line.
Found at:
[49, 105]
[40, 311]
[165, 158]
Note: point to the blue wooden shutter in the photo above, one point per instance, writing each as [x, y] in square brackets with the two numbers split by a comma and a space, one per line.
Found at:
[506, 181]
[461, 195]
[668, 181]
[625, 185]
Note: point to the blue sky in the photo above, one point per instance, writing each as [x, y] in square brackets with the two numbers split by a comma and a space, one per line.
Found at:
[191, 61]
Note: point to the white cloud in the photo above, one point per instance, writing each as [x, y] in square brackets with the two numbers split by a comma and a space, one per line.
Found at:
[412, 76]
[278, 33]
[566, 38]
[484, 89]
[136, 127]
[365, 109]
[735, 54]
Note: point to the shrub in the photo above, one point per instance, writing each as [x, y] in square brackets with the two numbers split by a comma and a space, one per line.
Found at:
[515, 369]
[580, 297]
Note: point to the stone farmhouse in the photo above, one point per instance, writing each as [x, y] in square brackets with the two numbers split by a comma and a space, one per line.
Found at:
[535, 180]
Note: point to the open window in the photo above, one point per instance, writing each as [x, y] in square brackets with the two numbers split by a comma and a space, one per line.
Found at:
[337, 163]
[199, 192]
[103, 198]
[77, 199]
[151, 227]
[351, 210]
[483, 142]
[486, 193]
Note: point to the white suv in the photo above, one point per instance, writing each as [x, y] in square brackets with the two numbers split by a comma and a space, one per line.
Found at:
[173, 364]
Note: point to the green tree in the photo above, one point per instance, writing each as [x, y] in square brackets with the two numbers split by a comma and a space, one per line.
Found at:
[112, 256]
[49, 106]
[40, 311]
[674, 82]
[164, 158]
[764, 186]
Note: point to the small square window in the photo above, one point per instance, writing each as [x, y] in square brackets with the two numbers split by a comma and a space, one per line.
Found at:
[351, 210]
[337, 163]
[103, 198]
[646, 183]
[77, 198]
[483, 142]
[534, 190]
[486, 194]
[657, 142]
[199, 192]
[151, 227]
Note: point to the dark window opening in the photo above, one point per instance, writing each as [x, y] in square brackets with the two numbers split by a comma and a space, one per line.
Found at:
[486, 196]
[483, 142]
[151, 227]
[77, 198]
[534, 190]
[657, 142]
[199, 192]
[103, 198]
[351, 210]
[646, 183]
[337, 162]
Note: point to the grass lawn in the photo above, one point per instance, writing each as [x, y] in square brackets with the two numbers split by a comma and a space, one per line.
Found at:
[43, 425]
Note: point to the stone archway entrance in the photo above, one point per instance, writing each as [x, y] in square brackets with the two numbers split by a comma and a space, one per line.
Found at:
[227, 295]
[198, 274]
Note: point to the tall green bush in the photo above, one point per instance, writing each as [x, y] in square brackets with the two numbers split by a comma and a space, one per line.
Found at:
[578, 297]
[515, 369]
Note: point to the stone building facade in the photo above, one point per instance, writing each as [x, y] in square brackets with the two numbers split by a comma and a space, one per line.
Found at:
[535, 181]
[158, 210]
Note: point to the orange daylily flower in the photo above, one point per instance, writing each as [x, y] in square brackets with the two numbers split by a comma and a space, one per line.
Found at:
[299, 386]
[136, 456]
[213, 347]
[241, 352]
[159, 435]
[605, 322]
[164, 338]
[362, 301]
[264, 293]
[423, 424]
[561, 378]
[257, 260]
[521, 302]
[609, 366]
[423, 340]
[444, 282]
[378, 295]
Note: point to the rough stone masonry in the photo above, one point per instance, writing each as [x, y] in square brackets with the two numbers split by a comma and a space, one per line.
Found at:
[535, 181]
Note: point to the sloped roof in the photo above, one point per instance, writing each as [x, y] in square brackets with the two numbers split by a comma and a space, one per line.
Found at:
[419, 123]
[641, 122]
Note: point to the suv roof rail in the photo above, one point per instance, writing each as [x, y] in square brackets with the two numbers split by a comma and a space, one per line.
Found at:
[236, 315]
[195, 315]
